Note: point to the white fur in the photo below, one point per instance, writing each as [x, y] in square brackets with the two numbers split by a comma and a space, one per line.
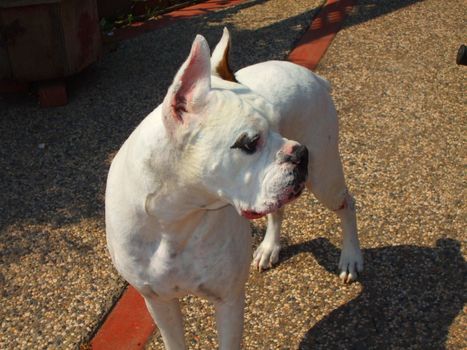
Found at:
[176, 187]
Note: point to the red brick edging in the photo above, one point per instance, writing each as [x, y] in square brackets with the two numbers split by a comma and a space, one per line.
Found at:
[316, 40]
[129, 325]
[202, 8]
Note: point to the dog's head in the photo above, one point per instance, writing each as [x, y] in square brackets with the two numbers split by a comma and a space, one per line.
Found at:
[223, 143]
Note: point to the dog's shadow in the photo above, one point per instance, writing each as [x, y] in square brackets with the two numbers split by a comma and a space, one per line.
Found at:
[409, 299]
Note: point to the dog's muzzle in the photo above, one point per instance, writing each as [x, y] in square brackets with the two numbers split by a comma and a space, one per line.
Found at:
[299, 157]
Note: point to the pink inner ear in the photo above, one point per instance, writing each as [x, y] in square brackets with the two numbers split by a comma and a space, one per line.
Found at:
[180, 102]
[184, 96]
[178, 106]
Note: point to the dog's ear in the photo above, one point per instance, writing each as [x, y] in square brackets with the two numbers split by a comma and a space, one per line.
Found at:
[188, 93]
[220, 65]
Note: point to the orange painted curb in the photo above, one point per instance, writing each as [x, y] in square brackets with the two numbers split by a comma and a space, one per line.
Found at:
[314, 43]
[129, 325]
[203, 8]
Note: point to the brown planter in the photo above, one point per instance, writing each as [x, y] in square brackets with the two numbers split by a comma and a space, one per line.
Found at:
[47, 39]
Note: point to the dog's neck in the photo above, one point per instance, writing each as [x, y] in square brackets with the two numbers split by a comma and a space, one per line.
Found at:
[182, 219]
[172, 206]
[164, 198]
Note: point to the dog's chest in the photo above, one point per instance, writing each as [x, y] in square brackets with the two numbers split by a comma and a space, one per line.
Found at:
[172, 273]
[202, 265]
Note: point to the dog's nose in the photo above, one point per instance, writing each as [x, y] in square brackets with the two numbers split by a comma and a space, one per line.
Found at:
[298, 156]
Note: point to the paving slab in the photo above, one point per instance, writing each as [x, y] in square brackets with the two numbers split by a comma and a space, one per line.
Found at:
[57, 283]
[401, 99]
[402, 112]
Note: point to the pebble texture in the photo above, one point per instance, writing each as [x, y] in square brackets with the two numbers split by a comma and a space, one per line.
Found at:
[402, 114]
[401, 102]
[56, 279]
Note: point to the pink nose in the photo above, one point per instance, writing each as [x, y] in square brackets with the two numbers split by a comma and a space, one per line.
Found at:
[288, 148]
[293, 152]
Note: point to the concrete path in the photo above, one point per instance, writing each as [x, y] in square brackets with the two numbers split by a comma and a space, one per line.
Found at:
[56, 280]
[402, 105]
[402, 111]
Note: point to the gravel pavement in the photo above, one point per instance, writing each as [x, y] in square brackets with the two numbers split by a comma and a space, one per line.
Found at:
[56, 279]
[402, 115]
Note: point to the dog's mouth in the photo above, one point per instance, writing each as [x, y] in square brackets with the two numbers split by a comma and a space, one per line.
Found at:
[283, 200]
[251, 215]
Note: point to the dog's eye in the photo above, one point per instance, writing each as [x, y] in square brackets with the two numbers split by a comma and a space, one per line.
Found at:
[246, 143]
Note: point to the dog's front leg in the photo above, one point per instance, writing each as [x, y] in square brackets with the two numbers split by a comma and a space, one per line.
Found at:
[169, 320]
[229, 321]
[267, 252]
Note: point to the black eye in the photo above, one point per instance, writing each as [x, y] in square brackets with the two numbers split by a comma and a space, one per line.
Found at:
[246, 143]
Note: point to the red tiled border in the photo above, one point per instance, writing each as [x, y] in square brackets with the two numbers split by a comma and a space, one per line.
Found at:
[129, 325]
[187, 12]
[316, 40]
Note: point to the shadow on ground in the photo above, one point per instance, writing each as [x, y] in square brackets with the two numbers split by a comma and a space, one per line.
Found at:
[409, 299]
[371, 9]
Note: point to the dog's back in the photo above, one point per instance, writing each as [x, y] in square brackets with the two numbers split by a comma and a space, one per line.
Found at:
[300, 97]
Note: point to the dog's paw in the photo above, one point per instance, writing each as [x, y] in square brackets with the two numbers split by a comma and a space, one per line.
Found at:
[350, 264]
[266, 255]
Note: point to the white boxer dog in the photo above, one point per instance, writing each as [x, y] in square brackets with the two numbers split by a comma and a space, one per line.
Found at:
[182, 187]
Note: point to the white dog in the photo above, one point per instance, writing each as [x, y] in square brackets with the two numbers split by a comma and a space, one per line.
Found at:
[212, 155]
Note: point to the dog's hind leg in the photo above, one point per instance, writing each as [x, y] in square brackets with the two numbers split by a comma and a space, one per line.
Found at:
[327, 183]
[351, 260]
[169, 320]
[267, 252]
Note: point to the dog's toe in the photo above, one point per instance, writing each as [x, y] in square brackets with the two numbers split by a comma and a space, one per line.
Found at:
[266, 255]
[350, 264]
[348, 276]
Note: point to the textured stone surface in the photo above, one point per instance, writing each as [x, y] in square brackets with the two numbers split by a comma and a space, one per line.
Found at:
[402, 114]
[56, 279]
[400, 98]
